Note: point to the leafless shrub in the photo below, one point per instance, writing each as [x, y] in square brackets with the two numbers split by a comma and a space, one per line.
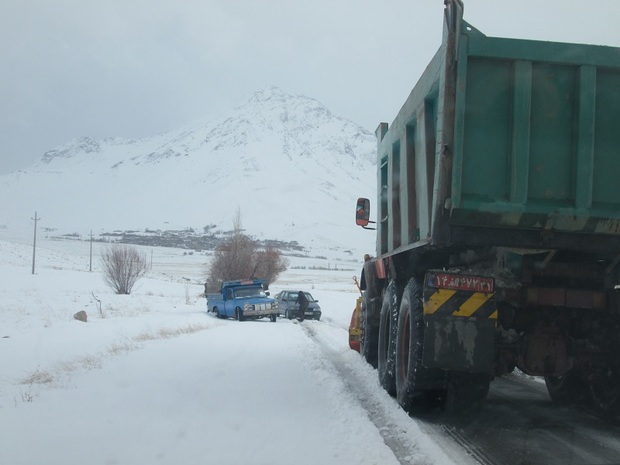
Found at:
[123, 348]
[122, 266]
[145, 336]
[191, 328]
[269, 264]
[28, 396]
[98, 304]
[38, 377]
[90, 362]
[168, 333]
[240, 258]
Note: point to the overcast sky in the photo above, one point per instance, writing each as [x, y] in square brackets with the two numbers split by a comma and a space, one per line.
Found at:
[133, 68]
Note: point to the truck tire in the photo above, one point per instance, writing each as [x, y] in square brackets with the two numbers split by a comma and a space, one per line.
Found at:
[273, 317]
[409, 370]
[369, 332]
[605, 389]
[603, 374]
[369, 321]
[239, 314]
[388, 326]
[370, 277]
[569, 389]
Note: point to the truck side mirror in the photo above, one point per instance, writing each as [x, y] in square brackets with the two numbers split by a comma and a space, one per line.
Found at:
[362, 212]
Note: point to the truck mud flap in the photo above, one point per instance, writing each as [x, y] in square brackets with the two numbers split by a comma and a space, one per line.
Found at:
[459, 344]
[460, 323]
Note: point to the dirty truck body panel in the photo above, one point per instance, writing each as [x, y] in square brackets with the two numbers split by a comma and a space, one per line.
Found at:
[498, 209]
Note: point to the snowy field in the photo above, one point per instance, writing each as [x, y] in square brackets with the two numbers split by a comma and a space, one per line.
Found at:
[151, 378]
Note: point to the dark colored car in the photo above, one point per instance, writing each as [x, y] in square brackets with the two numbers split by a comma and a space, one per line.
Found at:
[289, 309]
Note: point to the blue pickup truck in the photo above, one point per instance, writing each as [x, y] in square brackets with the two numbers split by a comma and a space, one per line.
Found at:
[243, 300]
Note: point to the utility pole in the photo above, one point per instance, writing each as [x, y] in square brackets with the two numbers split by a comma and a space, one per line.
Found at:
[91, 251]
[34, 243]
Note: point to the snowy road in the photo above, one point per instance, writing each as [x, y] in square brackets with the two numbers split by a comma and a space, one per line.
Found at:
[519, 425]
[232, 393]
[154, 379]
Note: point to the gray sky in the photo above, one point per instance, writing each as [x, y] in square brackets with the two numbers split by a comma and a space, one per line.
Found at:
[133, 68]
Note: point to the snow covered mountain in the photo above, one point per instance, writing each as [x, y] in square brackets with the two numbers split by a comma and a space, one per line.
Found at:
[291, 167]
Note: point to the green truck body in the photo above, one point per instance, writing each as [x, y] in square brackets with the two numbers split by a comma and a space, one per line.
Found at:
[498, 223]
[511, 139]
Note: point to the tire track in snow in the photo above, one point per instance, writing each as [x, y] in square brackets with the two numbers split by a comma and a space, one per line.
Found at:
[399, 432]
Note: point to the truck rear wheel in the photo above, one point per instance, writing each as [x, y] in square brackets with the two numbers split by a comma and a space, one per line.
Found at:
[603, 374]
[388, 326]
[569, 389]
[369, 332]
[605, 389]
[409, 370]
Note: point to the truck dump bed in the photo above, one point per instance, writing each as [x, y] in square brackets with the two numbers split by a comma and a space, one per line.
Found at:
[505, 142]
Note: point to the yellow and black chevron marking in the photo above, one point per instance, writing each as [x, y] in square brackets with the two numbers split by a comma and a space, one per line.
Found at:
[449, 302]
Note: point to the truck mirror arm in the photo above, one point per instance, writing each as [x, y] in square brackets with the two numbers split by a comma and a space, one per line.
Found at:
[366, 227]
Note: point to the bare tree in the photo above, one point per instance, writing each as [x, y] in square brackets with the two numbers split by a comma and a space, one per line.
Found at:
[240, 258]
[123, 265]
[234, 258]
[269, 263]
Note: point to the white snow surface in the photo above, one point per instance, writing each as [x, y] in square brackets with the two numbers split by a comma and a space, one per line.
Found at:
[151, 378]
[292, 168]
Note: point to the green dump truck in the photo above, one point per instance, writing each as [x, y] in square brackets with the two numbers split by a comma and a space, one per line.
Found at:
[498, 224]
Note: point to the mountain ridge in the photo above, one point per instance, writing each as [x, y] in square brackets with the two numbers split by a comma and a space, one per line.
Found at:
[292, 168]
